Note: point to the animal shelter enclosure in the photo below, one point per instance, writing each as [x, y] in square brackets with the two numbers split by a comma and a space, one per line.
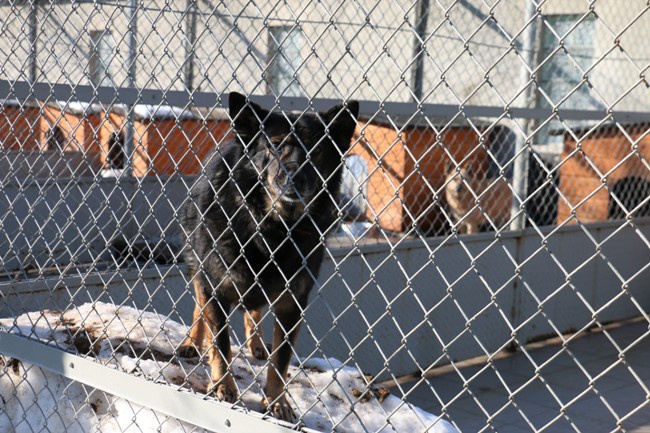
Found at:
[430, 187]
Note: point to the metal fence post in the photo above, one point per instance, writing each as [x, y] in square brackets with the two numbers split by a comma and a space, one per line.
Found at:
[33, 41]
[190, 44]
[129, 132]
[522, 145]
[421, 17]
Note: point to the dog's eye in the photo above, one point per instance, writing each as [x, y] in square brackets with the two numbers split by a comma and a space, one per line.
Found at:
[276, 147]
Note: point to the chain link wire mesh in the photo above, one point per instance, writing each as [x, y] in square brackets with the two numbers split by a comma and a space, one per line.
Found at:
[491, 225]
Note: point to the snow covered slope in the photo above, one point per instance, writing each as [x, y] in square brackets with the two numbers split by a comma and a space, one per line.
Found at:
[324, 393]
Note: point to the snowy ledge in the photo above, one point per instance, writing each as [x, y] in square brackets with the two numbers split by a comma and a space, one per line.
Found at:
[325, 394]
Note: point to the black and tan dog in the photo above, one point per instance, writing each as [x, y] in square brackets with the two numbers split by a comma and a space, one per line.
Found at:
[255, 225]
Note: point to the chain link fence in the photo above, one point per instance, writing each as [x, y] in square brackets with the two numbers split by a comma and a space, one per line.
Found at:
[493, 208]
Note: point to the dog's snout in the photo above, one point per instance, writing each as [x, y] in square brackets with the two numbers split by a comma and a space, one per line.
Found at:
[294, 180]
[286, 174]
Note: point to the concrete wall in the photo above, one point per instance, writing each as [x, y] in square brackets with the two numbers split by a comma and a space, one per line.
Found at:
[362, 50]
[391, 309]
[65, 222]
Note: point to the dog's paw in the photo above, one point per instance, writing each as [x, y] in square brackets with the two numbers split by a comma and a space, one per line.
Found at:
[259, 352]
[187, 351]
[258, 349]
[280, 409]
[226, 390]
[225, 393]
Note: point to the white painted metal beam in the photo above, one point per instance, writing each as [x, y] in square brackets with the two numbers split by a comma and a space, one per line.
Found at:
[208, 414]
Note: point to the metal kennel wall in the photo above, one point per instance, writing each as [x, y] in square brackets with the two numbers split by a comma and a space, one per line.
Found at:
[496, 193]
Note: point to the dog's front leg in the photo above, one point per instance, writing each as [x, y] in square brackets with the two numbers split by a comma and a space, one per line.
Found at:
[287, 324]
[219, 352]
[195, 341]
[254, 334]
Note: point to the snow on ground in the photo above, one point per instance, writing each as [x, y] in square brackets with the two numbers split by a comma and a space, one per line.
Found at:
[325, 393]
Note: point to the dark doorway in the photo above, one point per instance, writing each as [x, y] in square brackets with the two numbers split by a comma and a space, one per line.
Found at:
[631, 192]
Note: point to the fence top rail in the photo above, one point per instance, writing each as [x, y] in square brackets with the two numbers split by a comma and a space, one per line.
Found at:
[22, 90]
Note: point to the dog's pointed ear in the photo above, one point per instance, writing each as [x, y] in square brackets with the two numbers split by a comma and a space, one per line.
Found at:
[246, 116]
[341, 121]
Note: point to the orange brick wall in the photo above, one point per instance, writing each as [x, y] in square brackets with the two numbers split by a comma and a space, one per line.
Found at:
[426, 166]
[384, 153]
[19, 127]
[80, 133]
[580, 178]
[162, 147]
[406, 168]
[28, 129]
[170, 147]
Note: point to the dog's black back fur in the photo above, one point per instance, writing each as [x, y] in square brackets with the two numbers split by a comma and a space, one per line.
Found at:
[248, 240]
